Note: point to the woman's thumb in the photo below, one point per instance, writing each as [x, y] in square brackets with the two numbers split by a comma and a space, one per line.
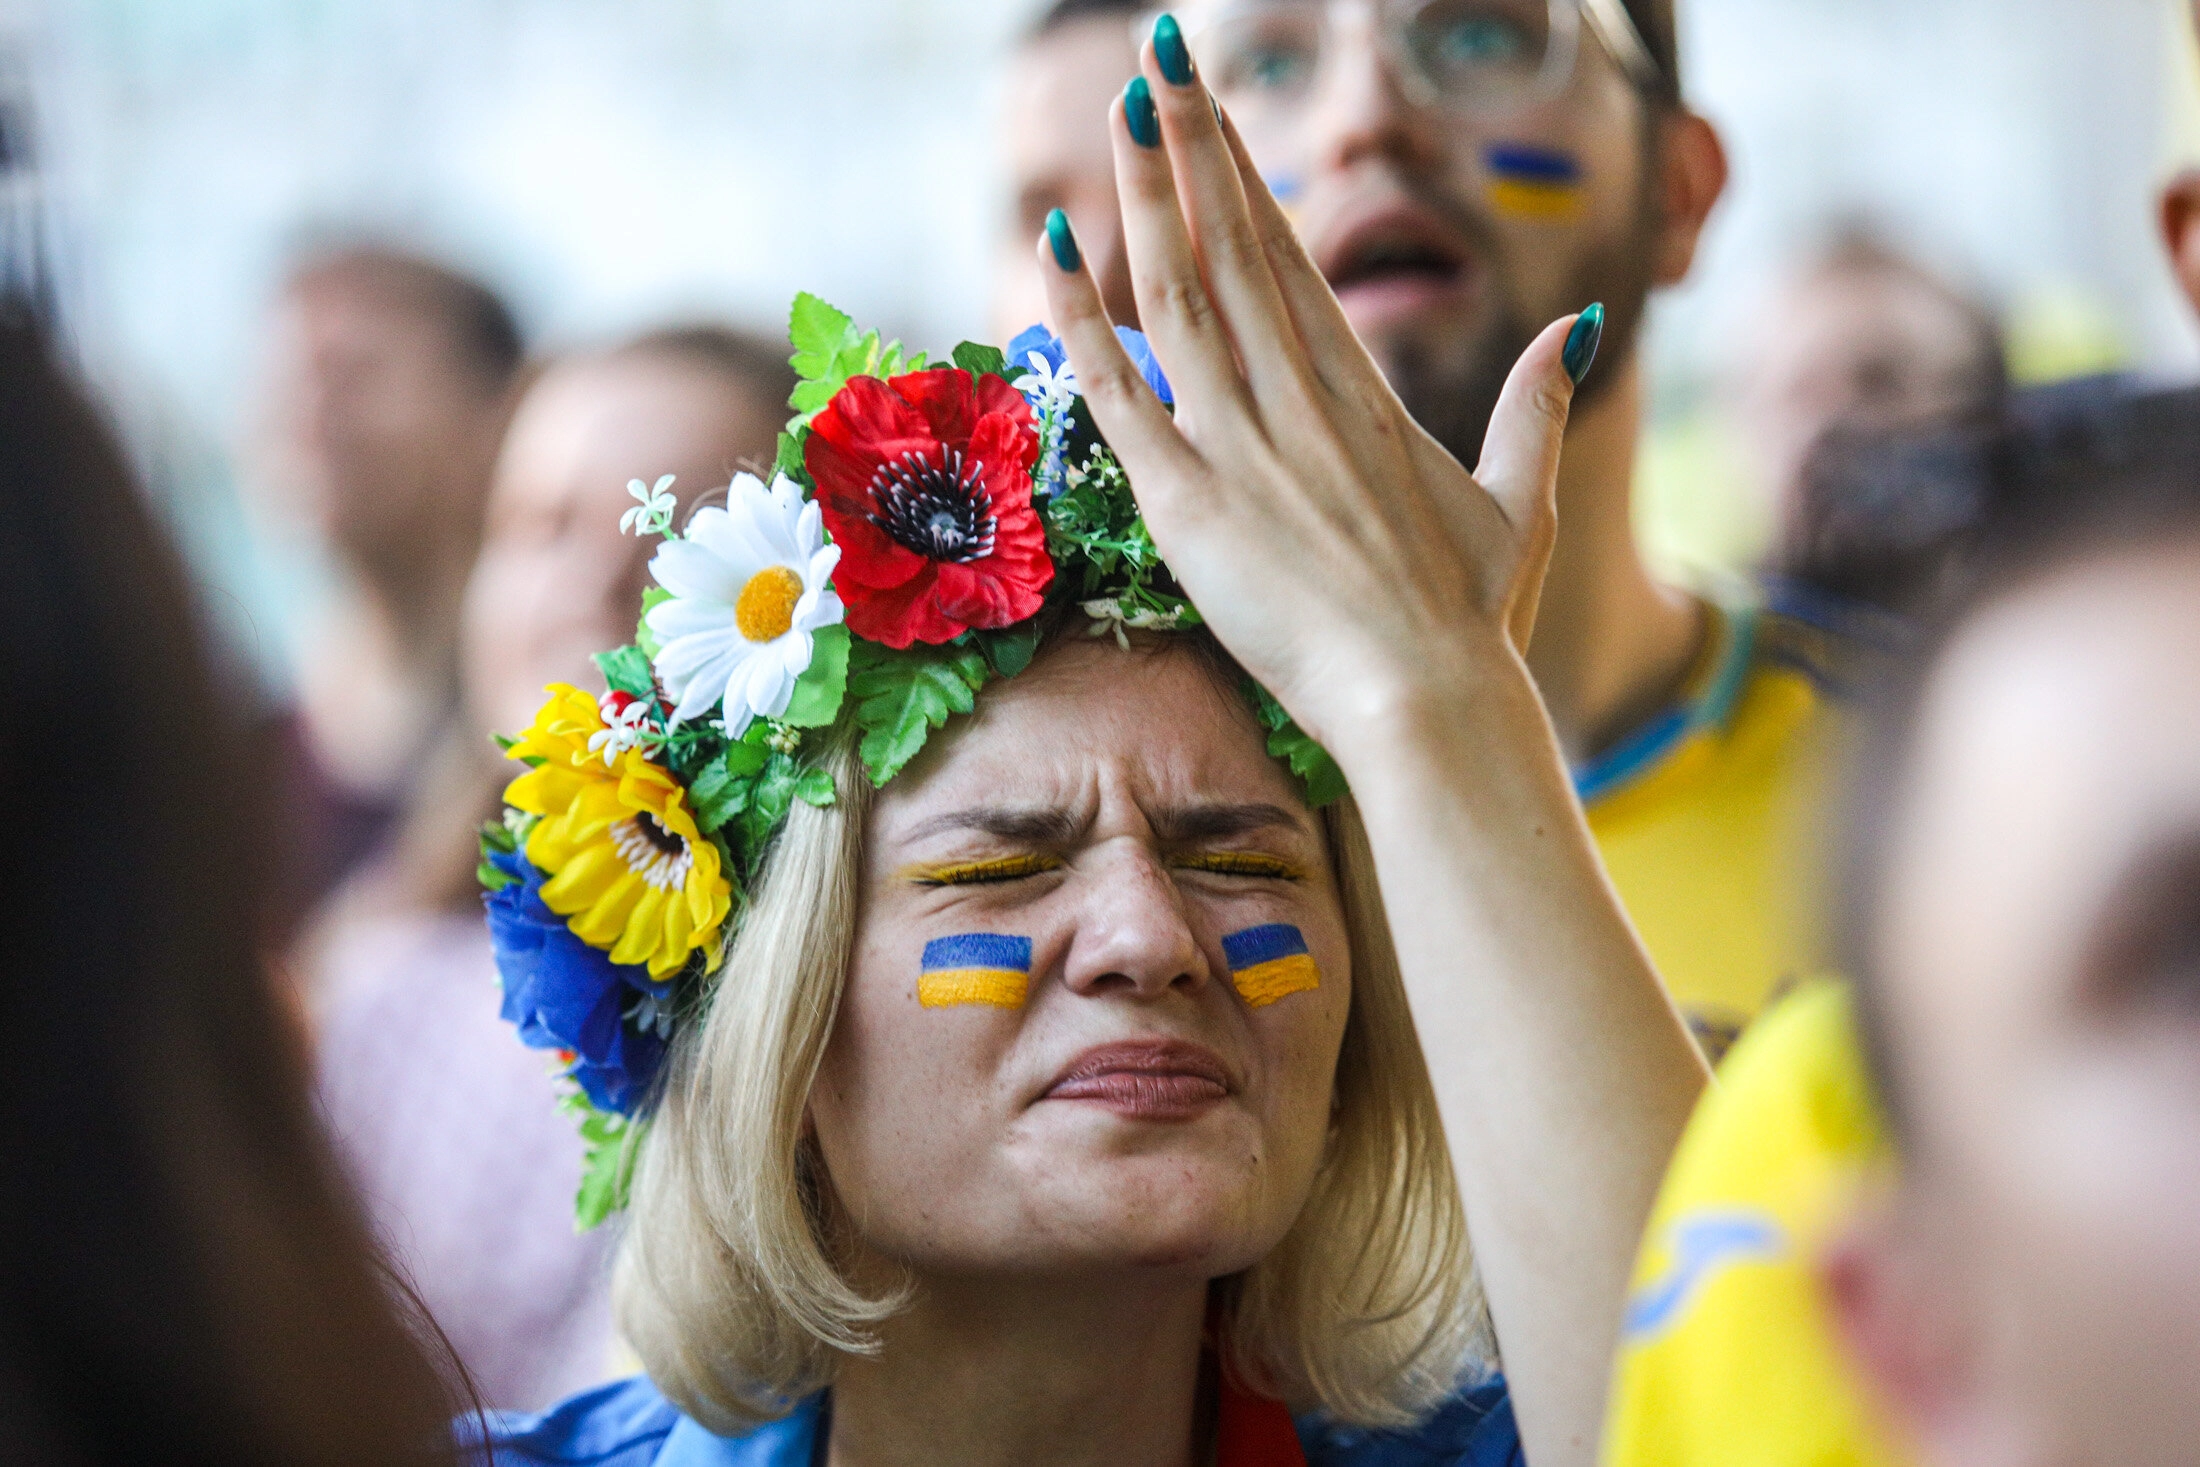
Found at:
[1519, 467]
[1520, 452]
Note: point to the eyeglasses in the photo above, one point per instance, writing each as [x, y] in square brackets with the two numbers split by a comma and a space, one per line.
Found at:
[1481, 57]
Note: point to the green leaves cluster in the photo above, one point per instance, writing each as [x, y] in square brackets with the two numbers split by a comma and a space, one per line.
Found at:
[903, 696]
[1324, 781]
[497, 839]
[828, 350]
[743, 796]
[1095, 532]
[612, 1144]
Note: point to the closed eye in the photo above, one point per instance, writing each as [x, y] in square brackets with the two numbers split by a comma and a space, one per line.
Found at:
[1240, 863]
[983, 873]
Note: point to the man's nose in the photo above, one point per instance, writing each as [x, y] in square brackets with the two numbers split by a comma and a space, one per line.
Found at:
[1134, 933]
[1360, 108]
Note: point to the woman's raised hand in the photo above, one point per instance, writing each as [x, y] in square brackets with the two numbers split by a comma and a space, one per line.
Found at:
[1383, 594]
[1341, 554]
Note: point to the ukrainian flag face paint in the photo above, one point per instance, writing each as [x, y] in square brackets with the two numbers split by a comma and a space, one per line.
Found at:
[1270, 962]
[975, 967]
[1528, 182]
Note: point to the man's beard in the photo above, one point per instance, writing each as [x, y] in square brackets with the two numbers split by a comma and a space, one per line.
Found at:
[1452, 394]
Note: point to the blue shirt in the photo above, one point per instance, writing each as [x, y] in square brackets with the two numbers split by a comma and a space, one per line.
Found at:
[631, 1424]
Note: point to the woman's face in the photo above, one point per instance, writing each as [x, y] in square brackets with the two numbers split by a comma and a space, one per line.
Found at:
[2041, 945]
[1134, 1111]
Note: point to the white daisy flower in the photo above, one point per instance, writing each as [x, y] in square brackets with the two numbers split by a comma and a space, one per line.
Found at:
[750, 584]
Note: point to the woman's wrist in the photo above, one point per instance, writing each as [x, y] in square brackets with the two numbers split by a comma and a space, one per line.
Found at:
[1466, 712]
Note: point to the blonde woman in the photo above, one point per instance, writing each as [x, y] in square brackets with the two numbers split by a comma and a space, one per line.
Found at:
[1183, 1201]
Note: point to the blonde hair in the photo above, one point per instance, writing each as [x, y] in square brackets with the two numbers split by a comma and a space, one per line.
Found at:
[732, 1290]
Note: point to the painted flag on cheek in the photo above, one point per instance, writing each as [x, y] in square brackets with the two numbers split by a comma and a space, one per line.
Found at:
[1534, 183]
[1271, 962]
[975, 967]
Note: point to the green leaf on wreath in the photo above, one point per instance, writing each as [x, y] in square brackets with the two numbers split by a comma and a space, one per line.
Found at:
[497, 839]
[815, 787]
[769, 796]
[1324, 781]
[715, 796]
[627, 671]
[818, 692]
[644, 638]
[749, 754]
[819, 332]
[1010, 651]
[1325, 784]
[903, 696]
[977, 359]
[612, 1144]
[789, 460]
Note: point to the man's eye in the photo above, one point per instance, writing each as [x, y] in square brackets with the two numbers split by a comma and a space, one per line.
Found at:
[983, 873]
[1240, 863]
[1276, 68]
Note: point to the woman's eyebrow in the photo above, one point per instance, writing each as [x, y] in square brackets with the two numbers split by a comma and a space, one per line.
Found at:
[1183, 824]
[1050, 825]
[1030, 825]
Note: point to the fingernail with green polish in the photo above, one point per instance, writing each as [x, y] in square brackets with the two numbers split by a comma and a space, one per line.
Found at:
[1063, 242]
[1139, 113]
[1169, 49]
[1581, 342]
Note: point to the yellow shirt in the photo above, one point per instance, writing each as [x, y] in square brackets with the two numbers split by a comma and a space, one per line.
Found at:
[1727, 1357]
[1709, 818]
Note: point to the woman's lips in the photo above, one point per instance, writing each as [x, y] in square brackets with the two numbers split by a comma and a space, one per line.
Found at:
[1147, 1080]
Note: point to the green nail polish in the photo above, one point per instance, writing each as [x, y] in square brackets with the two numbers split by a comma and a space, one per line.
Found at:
[1581, 343]
[1062, 242]
[1139, 113]
[1169, 49]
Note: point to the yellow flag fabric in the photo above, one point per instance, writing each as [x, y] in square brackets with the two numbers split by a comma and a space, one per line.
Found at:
[1728, 1356]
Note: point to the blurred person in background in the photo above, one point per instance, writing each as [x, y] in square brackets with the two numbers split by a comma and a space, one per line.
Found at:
[1054, 129]
[452, 1131]
[1464, 169]
[187, 1280]
[1859, 346]
[389, 383]
[2026, 1293]
[1730, 1352]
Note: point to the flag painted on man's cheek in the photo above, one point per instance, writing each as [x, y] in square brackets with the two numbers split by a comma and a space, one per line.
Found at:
[1530, 182]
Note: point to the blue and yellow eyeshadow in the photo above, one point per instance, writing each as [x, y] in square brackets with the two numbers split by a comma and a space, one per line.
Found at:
[975, 968]
[1529, 182]
[1270, 962]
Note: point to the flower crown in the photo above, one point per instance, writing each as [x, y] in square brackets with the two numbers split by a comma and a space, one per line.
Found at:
[920, 519]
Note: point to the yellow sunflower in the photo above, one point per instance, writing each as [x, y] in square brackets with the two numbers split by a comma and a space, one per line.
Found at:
[628, 870]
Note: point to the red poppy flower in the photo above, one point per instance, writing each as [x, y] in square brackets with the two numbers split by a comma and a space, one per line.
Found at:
[925, 482]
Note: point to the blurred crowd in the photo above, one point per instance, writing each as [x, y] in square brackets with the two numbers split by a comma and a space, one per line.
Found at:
[306, 1197]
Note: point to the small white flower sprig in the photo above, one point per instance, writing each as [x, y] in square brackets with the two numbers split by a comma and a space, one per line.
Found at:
[653, 514]
[1051, 389]
[628, 723]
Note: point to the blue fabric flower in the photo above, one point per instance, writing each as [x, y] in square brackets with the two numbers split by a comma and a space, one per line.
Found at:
[1141, 352]
[1036, 339]
[564, 994]
[1051, 351]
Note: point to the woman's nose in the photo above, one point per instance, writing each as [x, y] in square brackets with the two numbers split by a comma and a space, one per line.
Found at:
[1134, 934]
